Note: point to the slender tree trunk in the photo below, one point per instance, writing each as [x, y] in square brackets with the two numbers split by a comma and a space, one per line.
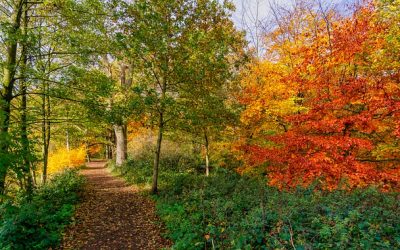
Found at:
[206, 144]
[109, 140]
[120, 145]
[125, 141]
[106, 154]
[154, 187]
[123, 75]
[25, 141]
[110, 152]
[46, 113]
[34, 177]
[129, 79]
[67, 139]
[124, 85]
[9, 70]
[46, 133]
[113, 141]
[67, 133]
[44, 137]
[109, 149]
[24, 128]
[48, 125]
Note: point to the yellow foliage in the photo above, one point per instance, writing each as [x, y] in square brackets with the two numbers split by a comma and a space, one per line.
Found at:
[269, 96]
[63, 159]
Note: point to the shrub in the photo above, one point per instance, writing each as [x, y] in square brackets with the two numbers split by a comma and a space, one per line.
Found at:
[63, 159]
[229, 211]
[37, 222]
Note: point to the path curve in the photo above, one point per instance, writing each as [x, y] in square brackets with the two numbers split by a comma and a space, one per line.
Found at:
[112, 215]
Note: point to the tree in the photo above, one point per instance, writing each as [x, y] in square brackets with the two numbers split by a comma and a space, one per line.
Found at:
[40, 48]
[162, 36]
[347, 103]
[11, 29]
[125, 106]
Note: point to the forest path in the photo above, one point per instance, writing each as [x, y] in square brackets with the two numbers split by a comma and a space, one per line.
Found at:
[112, 215]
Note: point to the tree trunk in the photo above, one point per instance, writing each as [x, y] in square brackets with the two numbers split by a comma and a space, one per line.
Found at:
[24, 127]
[110, 141]
[9, 70]
[67, 140]
[206, 144]
[120, 145]
[123, 75]
[110, 152]
[126, 141]
[45, 148]
[67, 144]
[34, 177]
[106, 150]
[25, 143]
[154, 187]
[46, 125]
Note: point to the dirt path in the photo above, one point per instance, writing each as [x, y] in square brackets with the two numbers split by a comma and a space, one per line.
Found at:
[112, 215]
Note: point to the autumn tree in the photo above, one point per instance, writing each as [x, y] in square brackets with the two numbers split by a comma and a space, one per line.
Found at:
[346, 105]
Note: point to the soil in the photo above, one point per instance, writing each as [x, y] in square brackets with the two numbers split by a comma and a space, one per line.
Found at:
[113, 215]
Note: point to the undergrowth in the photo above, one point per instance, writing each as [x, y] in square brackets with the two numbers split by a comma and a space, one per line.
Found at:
[36, 222]
[229, 211]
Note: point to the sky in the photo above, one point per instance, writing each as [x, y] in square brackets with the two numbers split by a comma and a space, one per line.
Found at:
[263, 6]
[248, 11]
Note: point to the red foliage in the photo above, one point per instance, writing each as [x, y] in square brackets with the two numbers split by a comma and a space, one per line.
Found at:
[353, 106]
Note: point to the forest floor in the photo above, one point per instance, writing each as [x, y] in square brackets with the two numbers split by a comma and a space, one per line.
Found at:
[113, 215]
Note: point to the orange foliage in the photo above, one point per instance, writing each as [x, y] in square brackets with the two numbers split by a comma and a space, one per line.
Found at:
[62, 159]
[95, 149]
[345, 132]
[136, 128]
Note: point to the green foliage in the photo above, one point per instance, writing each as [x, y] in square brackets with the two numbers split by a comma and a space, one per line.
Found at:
[36, 222]
[173, 160]
[134, 172]
[231, 211]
